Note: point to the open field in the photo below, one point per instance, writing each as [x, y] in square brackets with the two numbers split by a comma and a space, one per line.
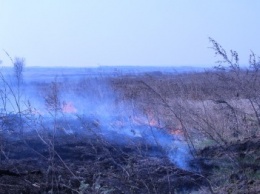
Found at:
[155, 132]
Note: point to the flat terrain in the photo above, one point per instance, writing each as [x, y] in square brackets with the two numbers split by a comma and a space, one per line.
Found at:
[153, 132]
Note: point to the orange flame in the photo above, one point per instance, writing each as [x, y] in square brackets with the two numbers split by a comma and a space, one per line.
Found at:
[68, 107]
[176, 132]
[148, 119]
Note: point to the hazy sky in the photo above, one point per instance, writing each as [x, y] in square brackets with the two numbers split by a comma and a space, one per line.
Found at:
[126, 32]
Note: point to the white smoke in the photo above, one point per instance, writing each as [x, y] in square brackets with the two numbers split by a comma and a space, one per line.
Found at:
[95, 100]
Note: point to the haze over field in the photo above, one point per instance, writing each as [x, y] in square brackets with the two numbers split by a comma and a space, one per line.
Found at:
[137, 32]
[129, 96]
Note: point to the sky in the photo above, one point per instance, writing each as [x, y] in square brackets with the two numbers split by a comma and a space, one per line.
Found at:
[126, 32]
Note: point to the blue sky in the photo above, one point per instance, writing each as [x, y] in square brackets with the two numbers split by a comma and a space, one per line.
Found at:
[126, 32]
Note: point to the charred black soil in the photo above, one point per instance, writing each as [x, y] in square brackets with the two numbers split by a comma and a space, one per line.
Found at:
[89, 165]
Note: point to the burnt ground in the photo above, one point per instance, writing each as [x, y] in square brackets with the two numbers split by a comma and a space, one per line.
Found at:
[84, 163]
[87, 164]
[234, 167]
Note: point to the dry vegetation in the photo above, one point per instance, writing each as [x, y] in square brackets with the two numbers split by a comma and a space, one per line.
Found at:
[216, 112]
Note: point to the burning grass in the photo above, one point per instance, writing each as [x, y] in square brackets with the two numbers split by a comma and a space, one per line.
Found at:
[130, 134]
